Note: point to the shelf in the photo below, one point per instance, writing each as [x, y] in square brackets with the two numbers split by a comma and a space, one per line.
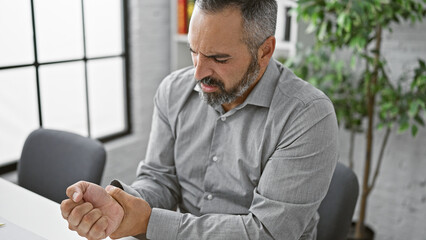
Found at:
[180, 38]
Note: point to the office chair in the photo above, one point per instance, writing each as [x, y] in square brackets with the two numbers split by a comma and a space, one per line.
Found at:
[52, 160]
[337, 208]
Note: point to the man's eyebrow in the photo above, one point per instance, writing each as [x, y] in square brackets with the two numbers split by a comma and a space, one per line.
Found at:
[218, 55]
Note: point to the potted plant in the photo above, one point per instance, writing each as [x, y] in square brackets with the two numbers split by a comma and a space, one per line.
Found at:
[370, 100]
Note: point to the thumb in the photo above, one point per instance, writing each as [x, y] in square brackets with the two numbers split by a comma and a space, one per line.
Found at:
[116, 193]
[136, 213]
[77, 190]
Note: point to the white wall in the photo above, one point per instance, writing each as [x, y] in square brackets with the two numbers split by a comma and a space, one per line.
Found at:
[150, 54]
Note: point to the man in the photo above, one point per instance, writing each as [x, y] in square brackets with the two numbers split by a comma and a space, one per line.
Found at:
[252, 160]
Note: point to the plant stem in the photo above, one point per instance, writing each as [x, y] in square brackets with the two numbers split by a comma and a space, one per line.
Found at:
[371, 98]
[379, 161]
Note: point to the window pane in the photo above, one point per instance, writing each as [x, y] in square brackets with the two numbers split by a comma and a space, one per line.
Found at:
[63, 98]
[106, 96]
[18, 111]
[59, 29]
[16, 40]
[103, 27]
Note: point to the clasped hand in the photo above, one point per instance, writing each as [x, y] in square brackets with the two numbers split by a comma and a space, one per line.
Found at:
[96, 213]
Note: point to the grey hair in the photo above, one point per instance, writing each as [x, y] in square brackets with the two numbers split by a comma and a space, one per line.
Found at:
[259, 18]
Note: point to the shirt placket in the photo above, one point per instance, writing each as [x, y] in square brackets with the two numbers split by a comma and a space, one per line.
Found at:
[209, 200]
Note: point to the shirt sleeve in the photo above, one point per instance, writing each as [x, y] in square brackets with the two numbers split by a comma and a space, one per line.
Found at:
[293, 183]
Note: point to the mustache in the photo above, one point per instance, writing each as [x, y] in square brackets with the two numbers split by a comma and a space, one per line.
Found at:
[212, 82]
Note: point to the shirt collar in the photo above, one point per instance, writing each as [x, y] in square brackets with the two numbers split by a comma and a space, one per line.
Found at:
[262, 93]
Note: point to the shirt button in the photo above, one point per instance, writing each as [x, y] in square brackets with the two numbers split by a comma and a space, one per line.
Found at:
[209, 197]
[215, 159]
[223, 119]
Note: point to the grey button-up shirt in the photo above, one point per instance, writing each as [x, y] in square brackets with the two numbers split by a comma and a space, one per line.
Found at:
[258, 171]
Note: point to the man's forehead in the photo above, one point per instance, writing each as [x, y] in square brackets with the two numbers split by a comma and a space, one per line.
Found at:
[228, 19]
[218, 32]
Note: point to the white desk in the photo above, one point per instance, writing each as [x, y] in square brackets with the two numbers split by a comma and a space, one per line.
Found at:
[34, 213]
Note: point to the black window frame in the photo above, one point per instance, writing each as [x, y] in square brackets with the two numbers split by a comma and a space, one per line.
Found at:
[126, 72]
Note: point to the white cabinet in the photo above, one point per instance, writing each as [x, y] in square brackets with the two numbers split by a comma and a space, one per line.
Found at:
[286, 34]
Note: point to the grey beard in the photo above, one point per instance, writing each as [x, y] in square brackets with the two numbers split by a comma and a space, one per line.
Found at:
[226, 97]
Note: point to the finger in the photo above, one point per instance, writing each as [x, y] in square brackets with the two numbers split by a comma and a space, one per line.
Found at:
[78, 213]
[89, 221]
[67, 206]
[76, 191]
[98, 230]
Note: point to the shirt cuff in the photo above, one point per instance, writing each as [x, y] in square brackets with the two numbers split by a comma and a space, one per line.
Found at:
[126, 188]
[163, 224]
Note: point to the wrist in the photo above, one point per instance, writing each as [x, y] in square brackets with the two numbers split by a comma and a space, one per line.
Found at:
[137, 213]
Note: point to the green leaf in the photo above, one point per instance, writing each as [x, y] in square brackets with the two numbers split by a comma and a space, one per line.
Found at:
[322, 31]
[422, 63]
[403, 127]
[348, 25]
[311, 28]
[341, 19]
[419, 120]
[414, 107]
[380, 126]
[387, 106]
[414, 130]
[394, 110]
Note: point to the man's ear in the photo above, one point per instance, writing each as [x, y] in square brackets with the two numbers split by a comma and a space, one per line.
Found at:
[265, 51]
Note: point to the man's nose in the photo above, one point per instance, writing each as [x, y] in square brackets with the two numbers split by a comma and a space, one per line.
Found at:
[202, 67]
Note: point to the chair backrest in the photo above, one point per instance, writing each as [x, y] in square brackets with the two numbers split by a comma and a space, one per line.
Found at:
[52, 160]
[337, 208]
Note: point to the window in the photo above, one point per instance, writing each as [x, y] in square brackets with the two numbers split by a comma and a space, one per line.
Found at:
[63, 65]
[287, 29]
